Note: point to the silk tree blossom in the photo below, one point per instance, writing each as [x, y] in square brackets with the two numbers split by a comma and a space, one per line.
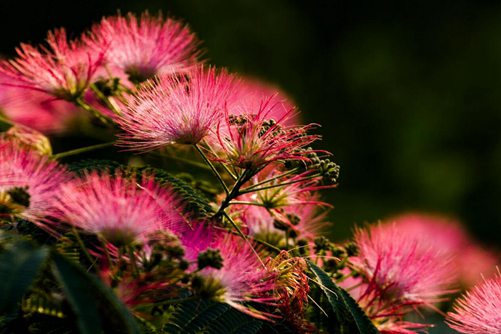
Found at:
[242, 277]
[398, 274]
[175, 109]
[447, 235]
[249, 94]
[28, 183]
[144, 47]
[478, 311]
[34, 109]
[63, 68]
[254, 139]
[292, 289]
[122, 210]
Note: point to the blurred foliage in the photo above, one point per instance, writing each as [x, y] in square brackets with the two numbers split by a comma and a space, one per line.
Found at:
[406, 91]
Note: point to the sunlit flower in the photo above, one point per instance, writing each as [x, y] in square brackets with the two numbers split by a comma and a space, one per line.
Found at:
[146, 46]
[28, 182]
[174, 109]
[29, 139]
[478, 311]
[254, 140]
[242, 277]
[62, 69]
[122, 210]
[249, 94]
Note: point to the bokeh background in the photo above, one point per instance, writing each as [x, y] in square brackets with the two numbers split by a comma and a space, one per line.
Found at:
[407, 92]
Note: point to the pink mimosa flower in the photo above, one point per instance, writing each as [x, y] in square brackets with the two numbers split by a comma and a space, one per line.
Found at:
[146, 46]
[448, 236]
[399, 273]
[34, 109]
[250, 93]
[479, 310]
[38, 177]
[122, 210]
[254, 140]
[173, 109]
[242, 277]
[63, 69]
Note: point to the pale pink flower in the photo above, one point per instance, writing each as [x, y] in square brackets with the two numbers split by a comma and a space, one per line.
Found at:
[242, 277]
[174, 109]
[122, 210]
[254, 140]
[449, 237]
[62, 69]
[398, 272]
[479, 310]
[250, 93]
[144, 47]
[40, 178]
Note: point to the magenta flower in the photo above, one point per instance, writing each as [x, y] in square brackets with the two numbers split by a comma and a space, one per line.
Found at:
[144, 47]
[478, 311]
[242, 277]
[173, 109]
[122, 210]
[28, 183]
[255, 139]
[63, 69]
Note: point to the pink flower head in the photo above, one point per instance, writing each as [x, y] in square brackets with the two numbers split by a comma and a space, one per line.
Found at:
[28, 176]
[145, 47]
[122, 210]
[174, 109]
[448, 237]
[32, 108]
[478, 311]
[250, 93]
[254, 140]
[399, 270]
[63, 69]
[242, 277]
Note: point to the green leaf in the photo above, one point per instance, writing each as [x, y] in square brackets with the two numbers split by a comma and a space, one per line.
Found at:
[84, 166]
[194, 315]
[95, 305]
[20, 263]
[234, 322]
[346, 310]
[209, 317]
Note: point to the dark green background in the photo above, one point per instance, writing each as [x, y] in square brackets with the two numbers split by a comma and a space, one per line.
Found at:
[407, 92]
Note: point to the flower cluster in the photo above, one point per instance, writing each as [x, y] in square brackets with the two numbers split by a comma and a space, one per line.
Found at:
[212, 204]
